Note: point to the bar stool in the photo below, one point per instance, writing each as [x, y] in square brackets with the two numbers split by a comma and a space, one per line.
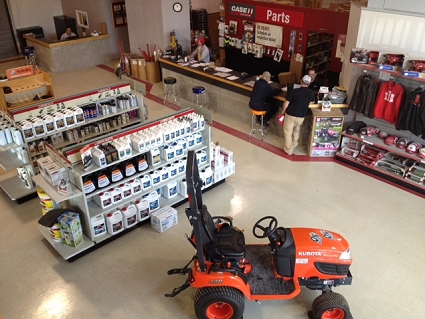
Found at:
[170, 89]
[254, 123]
[200, 97]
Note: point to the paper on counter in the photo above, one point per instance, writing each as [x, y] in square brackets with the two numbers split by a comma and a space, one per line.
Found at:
[221, 74]
[223, 69]
[232, 78]
[250, 83]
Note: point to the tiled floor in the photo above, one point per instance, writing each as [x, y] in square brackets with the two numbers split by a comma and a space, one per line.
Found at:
[128, 277]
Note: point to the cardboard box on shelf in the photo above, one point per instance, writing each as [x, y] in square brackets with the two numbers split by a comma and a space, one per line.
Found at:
[164, 218]
[70, 225]
[228, 155]
[414, 67]
[390, 61]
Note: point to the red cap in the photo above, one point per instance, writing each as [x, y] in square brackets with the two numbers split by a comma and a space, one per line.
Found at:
[200, 41]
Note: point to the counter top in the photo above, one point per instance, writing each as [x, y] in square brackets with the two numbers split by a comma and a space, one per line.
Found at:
[208, 75]
[56, 43]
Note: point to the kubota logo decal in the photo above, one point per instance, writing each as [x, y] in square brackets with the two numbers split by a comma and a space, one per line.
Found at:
[216, 281]
[309, 253]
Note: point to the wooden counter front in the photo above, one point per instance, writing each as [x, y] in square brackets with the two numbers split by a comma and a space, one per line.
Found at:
[69, 55]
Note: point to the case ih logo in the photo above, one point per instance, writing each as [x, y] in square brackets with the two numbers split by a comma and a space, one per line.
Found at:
[241, 10]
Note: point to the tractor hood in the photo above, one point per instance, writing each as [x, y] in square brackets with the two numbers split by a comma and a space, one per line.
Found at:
[320, 244]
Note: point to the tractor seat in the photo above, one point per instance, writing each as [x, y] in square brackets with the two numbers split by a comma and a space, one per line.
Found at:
[224, 243]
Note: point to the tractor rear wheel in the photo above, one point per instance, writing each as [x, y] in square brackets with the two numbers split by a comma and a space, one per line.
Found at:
[219, 303]
[331, 305]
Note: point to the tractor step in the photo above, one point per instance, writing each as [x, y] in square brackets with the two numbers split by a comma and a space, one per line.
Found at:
[262, 279]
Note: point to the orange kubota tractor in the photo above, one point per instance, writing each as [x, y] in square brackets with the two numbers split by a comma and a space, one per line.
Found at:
[225, 270]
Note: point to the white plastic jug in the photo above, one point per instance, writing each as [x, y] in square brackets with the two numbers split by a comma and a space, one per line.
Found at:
[146, 181]
[127, 190]
[114, 222]
[103, 199]
[68, 117]
[155, 156]
[172, 170]
[198, 138]
[116, 195]
[165, 174]
[155, 178]
[136, 186]
[168, 152]
[129, 214]
[190, 139]
[207, 177]
[181, 166]
[142, 206]
[98, 225]
[183, 188]
[153, 199]
[202, 157]
[170, 190]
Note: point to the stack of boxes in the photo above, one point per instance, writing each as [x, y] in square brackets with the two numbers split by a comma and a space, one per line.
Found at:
[70, 226]
[53, 172]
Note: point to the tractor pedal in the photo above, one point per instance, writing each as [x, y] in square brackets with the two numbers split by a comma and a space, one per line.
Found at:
[179, 271]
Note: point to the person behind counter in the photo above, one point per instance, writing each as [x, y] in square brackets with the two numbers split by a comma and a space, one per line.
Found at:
[201, 53]
[316, 82]
[295, 109]
[259, 97]
[68, 33]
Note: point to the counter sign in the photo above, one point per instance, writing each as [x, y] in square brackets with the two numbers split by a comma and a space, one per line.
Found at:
[241, 10]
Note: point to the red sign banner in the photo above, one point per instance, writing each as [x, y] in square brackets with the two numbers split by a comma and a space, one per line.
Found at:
[279, 17]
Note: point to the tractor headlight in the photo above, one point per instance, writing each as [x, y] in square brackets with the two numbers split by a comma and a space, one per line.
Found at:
[346, 255]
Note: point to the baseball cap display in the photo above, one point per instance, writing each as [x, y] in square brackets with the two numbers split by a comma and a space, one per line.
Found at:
[355, 127]
[306, 79]
[402, 142]
[369, 130]
[413, 147]
[382, 134]
[390, 139]
[422, 152]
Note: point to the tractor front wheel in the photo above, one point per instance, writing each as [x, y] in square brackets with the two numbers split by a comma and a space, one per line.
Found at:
[219, 303]
[331, 305]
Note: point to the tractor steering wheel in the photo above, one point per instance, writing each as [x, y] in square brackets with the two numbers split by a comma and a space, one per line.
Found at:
[268, 230]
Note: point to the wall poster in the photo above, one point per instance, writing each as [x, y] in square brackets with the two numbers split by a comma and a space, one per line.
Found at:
[268, 35]
[119, 13]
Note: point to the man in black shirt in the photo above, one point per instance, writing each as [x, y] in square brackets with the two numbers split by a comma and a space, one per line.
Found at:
[295, 109]
[261, 92]
[316, 82]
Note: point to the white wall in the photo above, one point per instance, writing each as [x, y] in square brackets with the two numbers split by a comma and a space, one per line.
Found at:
[392, 32]
[27, 13]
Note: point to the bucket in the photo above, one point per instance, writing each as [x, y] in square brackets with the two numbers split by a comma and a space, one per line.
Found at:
[103, 199]
[153, 199]
[56, 233]
[127, 190]
[129, 215]
[134, 68]
[98, 225]
[146, 181]
[170, 190]
[142, 206]
[141, 69]
[114, 222]
[152, 72]
[136, 186]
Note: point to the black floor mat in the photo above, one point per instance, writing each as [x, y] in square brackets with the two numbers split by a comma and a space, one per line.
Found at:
[262, 279]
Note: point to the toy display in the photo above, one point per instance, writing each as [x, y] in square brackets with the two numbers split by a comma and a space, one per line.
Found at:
[225, 270]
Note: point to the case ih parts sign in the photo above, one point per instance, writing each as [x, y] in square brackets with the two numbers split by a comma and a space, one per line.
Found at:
[270, 15]
[241, 10]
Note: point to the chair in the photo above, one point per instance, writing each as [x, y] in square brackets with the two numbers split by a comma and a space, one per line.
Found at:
[224, 243]
[169, 89]
[286, 78]
[254, 122]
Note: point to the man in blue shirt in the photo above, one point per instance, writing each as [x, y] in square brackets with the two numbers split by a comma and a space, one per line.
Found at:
[202, 52]
[259, 97]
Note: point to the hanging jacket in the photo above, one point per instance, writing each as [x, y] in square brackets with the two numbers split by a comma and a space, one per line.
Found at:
[412, 114]
[389, 101]
[363, 98]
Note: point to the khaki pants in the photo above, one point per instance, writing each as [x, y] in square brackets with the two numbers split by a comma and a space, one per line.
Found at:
[291, 132]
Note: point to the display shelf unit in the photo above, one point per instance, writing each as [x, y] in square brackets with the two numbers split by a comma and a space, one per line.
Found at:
[9, 160]
[73, 191]
[411, 160]
[24, 91]
[88, 208]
